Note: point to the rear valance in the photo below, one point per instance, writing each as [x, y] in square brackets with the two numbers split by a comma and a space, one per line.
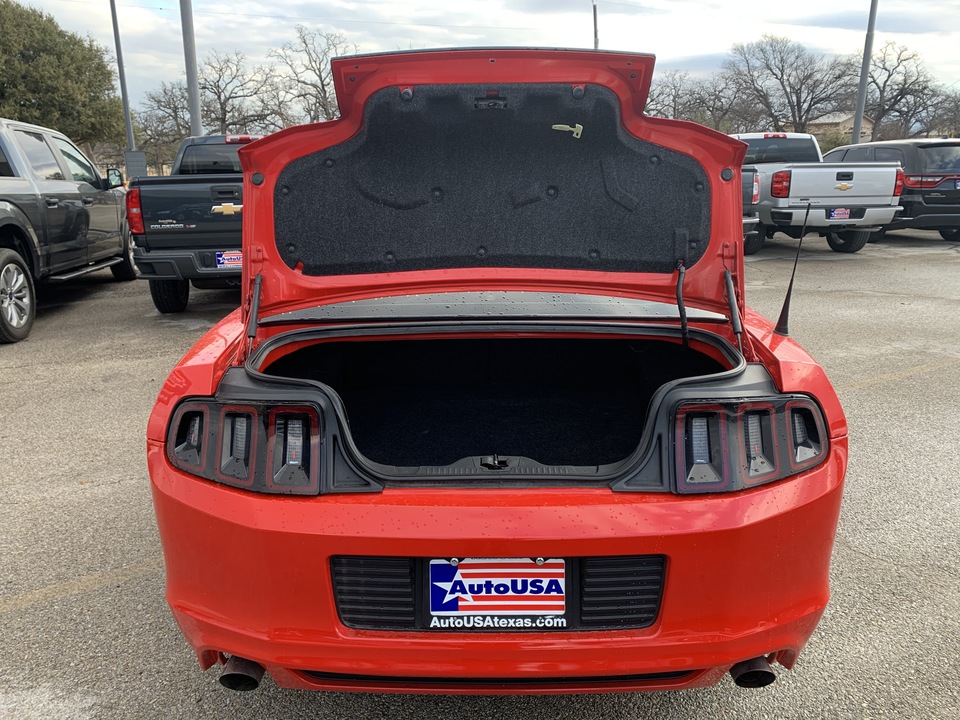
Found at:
[498, 175]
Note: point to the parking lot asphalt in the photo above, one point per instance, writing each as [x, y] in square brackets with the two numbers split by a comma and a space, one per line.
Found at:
[86, 632]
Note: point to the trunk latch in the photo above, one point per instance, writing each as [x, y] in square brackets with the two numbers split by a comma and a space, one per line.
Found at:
[494, 462]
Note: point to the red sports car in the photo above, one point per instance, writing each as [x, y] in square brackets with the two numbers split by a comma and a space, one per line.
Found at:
[493, 416]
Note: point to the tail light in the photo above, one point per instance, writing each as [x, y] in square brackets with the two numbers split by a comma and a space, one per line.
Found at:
[780, 185]
[134, 213]
[898, 184]
[756, 190]
[271, 449]
[923, 181]
[737, 445]
[241, 139]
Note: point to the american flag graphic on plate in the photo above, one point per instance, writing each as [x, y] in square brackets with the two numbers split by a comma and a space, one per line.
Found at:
[497, 586]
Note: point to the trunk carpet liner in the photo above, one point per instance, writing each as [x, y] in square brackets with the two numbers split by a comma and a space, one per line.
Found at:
[582, 428]
[556, 401]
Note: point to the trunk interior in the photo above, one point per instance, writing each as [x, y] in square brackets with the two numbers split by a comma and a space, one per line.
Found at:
[558, 401]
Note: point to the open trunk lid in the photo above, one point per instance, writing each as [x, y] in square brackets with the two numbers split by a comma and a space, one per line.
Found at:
[492, 170]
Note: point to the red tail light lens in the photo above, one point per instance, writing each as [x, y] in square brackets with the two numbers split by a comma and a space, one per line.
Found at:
[134, 213]
[898, 184]
[291, 450]
[737, 445]
[780, 185]
[265, 449]
[756, 189]
[241, 139]
[925, 182]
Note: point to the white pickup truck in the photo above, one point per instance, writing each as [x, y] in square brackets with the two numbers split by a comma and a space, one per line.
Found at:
[846, 202]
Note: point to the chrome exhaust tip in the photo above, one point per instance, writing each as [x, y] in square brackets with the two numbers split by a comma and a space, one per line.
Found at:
[241, 674]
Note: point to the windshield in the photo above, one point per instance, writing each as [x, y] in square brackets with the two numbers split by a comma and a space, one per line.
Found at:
[780, 150]
[210, 160]
[941, 158]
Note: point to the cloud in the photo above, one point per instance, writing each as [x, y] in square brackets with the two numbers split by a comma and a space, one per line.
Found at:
[911, 23]
[690, 35]
[604, 7]
[698, 65]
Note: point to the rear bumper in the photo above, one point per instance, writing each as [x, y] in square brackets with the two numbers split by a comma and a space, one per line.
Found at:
[249, 575]
[199, 264]
[921, 216]
[872, 219]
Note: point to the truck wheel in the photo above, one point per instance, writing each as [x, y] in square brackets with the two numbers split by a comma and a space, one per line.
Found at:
[953, 234]
[170, 296]
[126, 270]
[848, 241]
[754, 242]
[18, 300]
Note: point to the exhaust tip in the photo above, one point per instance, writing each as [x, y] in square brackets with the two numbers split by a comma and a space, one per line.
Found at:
[241, 674]
[755, 673]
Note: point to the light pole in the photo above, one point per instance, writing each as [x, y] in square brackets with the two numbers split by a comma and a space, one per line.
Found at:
[596, 32]
[124, 98]
[190, 59]
[864, 73]
[134, 161]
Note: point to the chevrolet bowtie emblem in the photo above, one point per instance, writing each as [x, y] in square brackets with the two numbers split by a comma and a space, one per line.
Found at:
[226, 209]
[843, 186]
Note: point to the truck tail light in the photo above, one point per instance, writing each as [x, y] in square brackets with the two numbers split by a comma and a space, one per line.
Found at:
[780, 185]
[134, 212]
[241, 139]
[271, 449]
[735, 445]
[898, 183]
[756, 189]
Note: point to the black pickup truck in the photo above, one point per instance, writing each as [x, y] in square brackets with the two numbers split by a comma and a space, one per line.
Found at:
[187, 226]
[58, 219]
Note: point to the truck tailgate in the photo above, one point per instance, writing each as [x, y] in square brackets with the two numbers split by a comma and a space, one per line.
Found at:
[847, 184]
[200, 211]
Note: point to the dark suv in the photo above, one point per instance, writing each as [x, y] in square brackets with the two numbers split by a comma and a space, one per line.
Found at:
[931, 189]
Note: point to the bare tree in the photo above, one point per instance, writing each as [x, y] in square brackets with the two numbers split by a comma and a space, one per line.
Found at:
[791, 85]
[947, 121]
[920, 113]
[718, 103]
[307, 59]
[670, 95]
[162, 122]
[231, 93]
[897, 79]
[278, 105]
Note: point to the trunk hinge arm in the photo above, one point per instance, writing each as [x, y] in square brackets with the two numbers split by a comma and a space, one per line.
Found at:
[252, 318]
[684, 330]
[735, 320]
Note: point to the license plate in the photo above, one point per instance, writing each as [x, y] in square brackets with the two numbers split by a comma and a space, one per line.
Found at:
[839, 213]
[497, 593]
[229, 258]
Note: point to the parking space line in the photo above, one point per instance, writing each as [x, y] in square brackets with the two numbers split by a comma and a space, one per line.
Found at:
[85, 583]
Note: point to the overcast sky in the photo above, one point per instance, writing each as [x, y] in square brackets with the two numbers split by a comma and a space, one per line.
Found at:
[683, 34]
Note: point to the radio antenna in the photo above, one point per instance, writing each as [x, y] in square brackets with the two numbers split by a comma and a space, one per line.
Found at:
[783, 324]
